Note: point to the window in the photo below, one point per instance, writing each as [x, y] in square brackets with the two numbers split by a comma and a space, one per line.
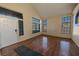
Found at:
[21, 29]
[66, 24]
[44, 23]
[77, 18]
[35, 25]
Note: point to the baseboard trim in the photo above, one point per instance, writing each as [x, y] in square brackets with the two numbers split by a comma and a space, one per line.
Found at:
[33, 37]
[19, 42]
[75, 43]
[55, 36]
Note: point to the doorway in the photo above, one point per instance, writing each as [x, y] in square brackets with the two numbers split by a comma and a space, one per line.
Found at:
[9, 31]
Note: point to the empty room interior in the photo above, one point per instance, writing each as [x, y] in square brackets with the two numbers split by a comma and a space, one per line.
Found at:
[39, 29]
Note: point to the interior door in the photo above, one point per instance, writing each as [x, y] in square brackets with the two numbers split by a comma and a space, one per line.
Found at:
[9, 28]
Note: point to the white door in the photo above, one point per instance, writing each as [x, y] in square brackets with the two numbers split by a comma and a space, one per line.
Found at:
[9, 27]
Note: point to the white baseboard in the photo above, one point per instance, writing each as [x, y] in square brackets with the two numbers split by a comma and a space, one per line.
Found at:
[75, 43]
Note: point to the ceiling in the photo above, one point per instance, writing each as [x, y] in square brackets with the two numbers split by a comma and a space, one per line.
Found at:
[52, 9]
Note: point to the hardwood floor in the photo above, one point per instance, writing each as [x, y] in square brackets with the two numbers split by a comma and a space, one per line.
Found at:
[47, 46]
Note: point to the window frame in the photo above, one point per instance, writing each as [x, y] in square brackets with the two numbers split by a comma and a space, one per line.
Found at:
[45, 25]
[36, 22]
[66, 29]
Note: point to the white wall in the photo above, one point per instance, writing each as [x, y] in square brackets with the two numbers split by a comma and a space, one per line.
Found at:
[54, 26]
[75, 35]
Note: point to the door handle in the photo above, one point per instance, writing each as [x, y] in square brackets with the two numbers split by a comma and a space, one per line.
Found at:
[15, 30]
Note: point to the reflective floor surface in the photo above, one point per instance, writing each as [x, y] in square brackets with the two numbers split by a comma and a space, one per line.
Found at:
[47, 46]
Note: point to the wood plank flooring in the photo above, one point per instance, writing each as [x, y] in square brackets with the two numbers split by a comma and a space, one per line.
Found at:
[46, 45]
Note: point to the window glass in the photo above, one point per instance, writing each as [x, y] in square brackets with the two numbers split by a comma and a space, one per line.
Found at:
[35, 25]
[66, 24]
